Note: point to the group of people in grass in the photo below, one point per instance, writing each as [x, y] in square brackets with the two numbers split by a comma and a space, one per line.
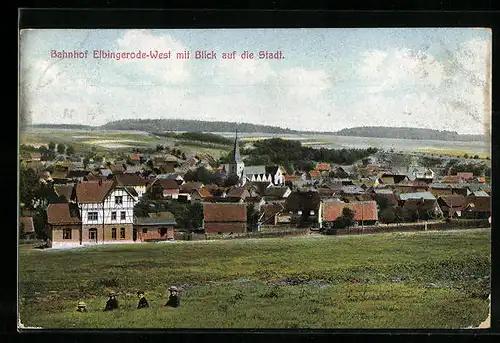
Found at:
[112, 303]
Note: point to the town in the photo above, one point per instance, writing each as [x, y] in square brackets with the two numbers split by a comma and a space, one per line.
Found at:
[72, 199]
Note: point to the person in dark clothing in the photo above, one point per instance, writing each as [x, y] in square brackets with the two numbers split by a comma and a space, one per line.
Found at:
[112, 303]
[173, 298]
[143, 303]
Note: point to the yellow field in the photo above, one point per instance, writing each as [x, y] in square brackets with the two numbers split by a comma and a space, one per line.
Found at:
[451, 152]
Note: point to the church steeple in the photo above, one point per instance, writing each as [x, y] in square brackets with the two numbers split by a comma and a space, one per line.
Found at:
[236, 150]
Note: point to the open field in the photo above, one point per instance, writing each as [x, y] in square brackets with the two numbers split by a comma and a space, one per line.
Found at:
[395, 280]
[114, 140]
[109, 140]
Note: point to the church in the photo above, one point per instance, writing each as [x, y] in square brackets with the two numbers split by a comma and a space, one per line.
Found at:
[236, 167]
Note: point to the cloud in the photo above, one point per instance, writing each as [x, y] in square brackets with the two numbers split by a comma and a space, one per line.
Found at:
[382, 70]
[170, 70]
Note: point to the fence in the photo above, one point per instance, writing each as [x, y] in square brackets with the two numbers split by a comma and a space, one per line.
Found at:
[262, 234]
[452, 224]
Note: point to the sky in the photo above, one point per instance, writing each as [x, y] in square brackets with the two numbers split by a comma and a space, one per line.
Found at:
[329, 79]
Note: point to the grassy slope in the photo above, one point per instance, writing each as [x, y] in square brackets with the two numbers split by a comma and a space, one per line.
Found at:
[226, 282]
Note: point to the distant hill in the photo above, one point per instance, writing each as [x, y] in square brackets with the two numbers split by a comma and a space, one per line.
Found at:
[155, 125]
[65, 126]
[407, 133]
[159, 125]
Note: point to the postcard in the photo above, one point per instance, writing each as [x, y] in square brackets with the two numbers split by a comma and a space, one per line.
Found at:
[266, 178]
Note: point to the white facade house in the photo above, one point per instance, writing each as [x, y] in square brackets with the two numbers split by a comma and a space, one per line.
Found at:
[106, 212]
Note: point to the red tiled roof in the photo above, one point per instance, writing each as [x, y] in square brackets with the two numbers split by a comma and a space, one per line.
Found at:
[170, 191]
[322, 167]
[135, 157]
[189, 186]
[290, 177]
[167, 184]
[452, 179]
[454, 201]
[224, 212]
[93, 191]
[481, 204]
[365, 210]
[130, 180]
[204, 192]
[26, 224]
[64, 213]
[314, 173]
[465, 176]
[64, 190]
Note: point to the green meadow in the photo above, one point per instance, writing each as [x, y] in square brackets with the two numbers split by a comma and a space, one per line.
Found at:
[393, 280]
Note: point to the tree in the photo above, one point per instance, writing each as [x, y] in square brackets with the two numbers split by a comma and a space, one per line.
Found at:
[346, 219]
[231, 180]
[86, 162]
[70, 150]
[52, 146]
[61, 148]
[388, 215]
[29, 187]
[252, 218]
[159, 148]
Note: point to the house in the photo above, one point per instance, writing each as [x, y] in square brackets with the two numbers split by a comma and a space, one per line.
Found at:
[465, 176]
[169, 188]
[64, 225]
[132, 180]
[106, 211]
[239, 193]
[269, 213]
[452, 179]
[117, 168]
[365, 212]
[420, 173]
[65, 192]
[36, 156]
[477, 207]
[385, 193]
[77, 175]
[200, 194]
[224, 218]
[440, 189]
[313, 175]
[257, 202]
[452, 205]
[392, 179]
[277, 192]
[258, 187]
[420, 205]
[303, 207]
[323, 168]
[155, 227]
[26, 228]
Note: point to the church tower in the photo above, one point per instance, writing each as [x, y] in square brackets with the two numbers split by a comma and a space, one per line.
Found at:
[236, 165]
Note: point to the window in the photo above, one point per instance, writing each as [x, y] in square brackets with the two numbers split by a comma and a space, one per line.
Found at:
[122, 233]
[113, 233]
[93, 216]
[113, 215]
[66, 233]
[118, 200]
[311, 212]
[144, 230]
[122, 215]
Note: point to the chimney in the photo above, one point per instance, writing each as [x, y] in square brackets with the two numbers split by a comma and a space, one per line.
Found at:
[100, 182]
